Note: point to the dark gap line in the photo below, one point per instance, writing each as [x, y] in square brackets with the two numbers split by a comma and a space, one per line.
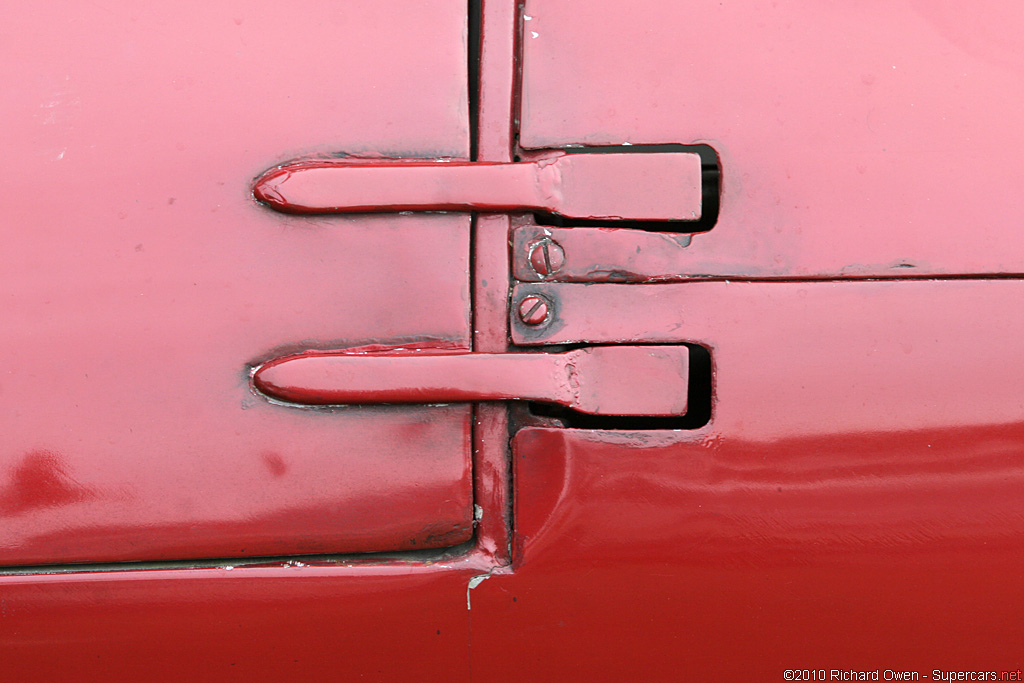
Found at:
[695, 279]
[271, 562]
[474, 12]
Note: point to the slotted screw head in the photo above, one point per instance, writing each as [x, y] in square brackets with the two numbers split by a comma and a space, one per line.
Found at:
[546, 256]
[533, 310]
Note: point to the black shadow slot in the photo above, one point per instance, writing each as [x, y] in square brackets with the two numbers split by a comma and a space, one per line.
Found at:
[474, 10]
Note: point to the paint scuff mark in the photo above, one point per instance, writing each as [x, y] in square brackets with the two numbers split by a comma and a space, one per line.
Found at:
[473, 583]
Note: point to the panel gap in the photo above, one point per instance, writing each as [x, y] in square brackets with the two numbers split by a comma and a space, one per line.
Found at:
[474, 12]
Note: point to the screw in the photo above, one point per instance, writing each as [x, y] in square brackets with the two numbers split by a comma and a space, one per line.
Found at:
[546, 256]
[533, 310]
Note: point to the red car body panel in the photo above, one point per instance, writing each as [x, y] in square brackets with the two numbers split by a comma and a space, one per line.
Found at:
[851, 504]
[143, 282]
[876, 140]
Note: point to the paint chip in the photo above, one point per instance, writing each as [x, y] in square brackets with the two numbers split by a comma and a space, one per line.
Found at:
[473, 583]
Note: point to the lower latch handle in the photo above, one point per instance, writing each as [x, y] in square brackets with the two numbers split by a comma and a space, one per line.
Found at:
[600, 380]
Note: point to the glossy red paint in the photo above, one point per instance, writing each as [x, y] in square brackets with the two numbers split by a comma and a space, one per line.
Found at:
[825, 358]
[606, 380]
[876, 140]
[853, 503]
[141, 128]
[712, 557]
[142, 283]
[666, 186]
[242, 624]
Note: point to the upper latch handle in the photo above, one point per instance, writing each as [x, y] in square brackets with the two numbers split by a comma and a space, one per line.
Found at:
[662, 186]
